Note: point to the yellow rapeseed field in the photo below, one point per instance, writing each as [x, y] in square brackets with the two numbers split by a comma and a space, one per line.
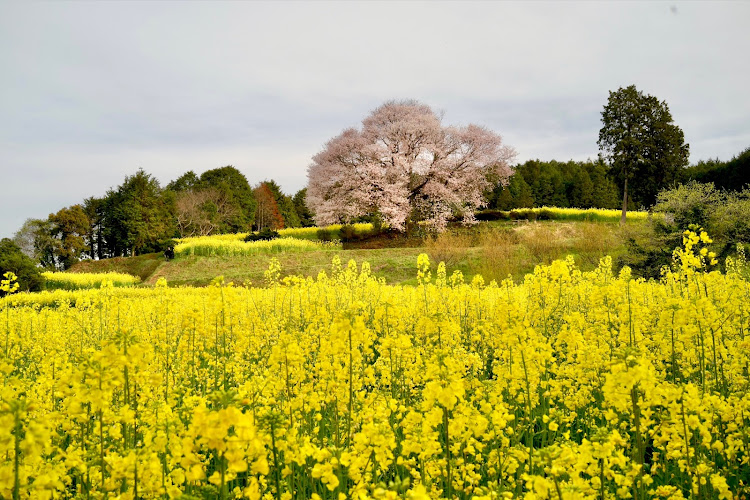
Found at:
[223, 245]
[298, 239]
[75, 281]
[566, 385]
[585, 214]
[311, 232]
[591, 213]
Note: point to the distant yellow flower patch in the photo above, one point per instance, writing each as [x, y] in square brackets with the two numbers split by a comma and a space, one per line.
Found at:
[220, 246]
[76, 281]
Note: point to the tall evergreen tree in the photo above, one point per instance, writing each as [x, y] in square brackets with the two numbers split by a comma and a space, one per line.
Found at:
[604, 193]
[553, 183]
[730, 175]
[643, 146]
[137, 216]
[286, 206]
[188, 180]
[234, 187]
[94, 208]
[304, 214]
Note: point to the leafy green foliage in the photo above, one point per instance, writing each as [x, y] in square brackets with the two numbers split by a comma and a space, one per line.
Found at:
[137, 215]
[264, 234]
[649, 248]
[304, 214]
[12, 259]
[692, 203]
[551, 183]
[186, 181]
[234, 186]
[285, 204]
[731, 175]
[724, 215]
[69, 229]
[643, 146]
[94, 208]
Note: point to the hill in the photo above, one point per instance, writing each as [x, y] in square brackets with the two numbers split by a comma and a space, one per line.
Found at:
[492, 249]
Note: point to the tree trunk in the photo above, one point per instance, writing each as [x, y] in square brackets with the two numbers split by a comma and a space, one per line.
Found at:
[624, 201]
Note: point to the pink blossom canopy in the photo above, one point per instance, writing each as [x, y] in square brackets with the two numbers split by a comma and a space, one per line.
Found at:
[404, 165]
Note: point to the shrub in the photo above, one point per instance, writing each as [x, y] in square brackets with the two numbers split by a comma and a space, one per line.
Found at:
[730, 221]
[545, 214]
[265, 234]
[691, 203]
[450, 247]
[725, 216]
[492, 215]
[348, 233]
[649, 249]
[325, 234]
[13, 260]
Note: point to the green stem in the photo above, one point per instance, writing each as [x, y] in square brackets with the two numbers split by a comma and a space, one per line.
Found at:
[448, 475]
[17, 428]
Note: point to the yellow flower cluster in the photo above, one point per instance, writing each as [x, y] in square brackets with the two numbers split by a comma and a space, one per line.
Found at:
[594, 214]
[304, 233]
[221, 246]
[9, 283]
[77, 281]
[566, 385]
[311, 232]
[687, 258]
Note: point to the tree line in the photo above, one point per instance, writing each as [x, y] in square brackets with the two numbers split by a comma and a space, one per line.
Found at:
[140, 216]
[403, 167]
[593, 184]
[406, 168]
[537, 183]
[731, 175]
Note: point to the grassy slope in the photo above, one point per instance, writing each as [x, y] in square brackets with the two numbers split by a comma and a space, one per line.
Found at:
[142, 266]
[494, 249]
[396, 264]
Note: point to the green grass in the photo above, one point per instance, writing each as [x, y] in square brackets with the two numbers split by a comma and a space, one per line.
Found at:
[397, 265]
[142, 266]
[499, 249]
[493, 249]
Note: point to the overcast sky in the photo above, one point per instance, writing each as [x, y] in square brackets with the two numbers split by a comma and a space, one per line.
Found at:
[92, 91]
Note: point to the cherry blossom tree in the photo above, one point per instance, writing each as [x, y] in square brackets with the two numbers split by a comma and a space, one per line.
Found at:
[405, 166]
